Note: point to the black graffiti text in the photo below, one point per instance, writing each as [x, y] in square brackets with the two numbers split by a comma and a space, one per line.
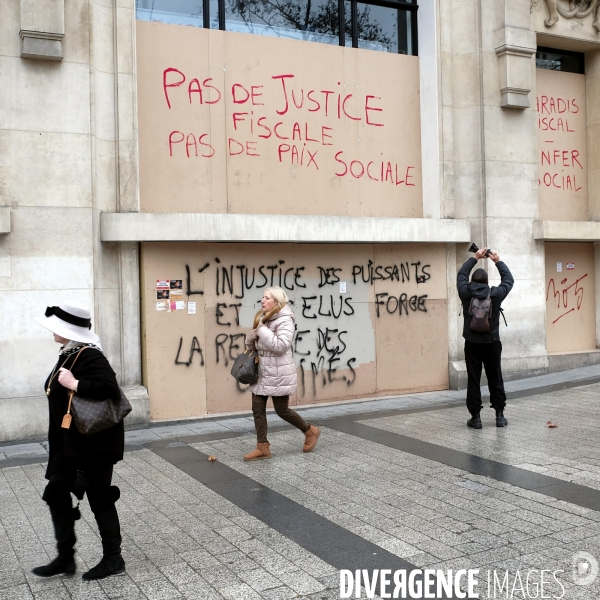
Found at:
[194, 347]
[326, 306]
[399, 304]
[370, 272]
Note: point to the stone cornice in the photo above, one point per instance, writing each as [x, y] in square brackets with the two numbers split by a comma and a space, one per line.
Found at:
[162, 227]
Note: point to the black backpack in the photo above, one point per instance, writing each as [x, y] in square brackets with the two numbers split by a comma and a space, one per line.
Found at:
[480, 310]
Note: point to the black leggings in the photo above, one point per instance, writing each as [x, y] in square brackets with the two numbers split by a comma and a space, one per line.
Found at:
[101, 495]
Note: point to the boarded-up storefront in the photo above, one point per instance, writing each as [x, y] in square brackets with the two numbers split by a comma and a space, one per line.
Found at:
[371, 320]
[562, 146]
[235, 123]
[570, 302]
[563, 193]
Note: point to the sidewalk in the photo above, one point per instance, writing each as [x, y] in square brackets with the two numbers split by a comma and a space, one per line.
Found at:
[245, 423]
[399, 483]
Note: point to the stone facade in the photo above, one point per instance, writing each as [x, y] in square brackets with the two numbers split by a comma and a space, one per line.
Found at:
[70, 214]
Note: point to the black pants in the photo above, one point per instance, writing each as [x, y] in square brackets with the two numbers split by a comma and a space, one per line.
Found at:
[259, 410]
[101, 495]
[489, 355]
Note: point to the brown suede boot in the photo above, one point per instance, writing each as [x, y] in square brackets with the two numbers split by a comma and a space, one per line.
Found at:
[312, 436]
[261, 451]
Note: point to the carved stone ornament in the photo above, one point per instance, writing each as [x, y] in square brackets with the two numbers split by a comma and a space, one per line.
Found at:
[573, 9]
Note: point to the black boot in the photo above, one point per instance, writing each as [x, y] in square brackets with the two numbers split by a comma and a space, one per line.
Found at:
[500, 418]
[475, 421]
[112, 562]
[64, 531]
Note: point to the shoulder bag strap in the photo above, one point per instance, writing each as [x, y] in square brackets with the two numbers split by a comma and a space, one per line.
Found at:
[66, 422]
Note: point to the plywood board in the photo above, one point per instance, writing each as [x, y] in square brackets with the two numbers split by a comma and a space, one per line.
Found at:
[174, 348]
[570, 303]
[337, 350]
[411, 317]
[240, 123]
[346, 346]
[562, 149]
[237, 275]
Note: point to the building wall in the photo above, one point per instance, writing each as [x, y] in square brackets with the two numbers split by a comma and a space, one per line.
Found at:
[69, 151]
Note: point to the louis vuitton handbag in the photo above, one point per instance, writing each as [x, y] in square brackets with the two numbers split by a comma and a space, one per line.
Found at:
[92, 416]
[245, 367]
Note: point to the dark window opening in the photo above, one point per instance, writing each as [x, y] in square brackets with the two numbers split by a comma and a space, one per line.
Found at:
[384, 25]
[560, 60]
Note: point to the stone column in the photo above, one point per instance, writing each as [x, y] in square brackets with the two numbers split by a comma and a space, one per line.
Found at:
[115, 189]
[511, 181]
[495, 164]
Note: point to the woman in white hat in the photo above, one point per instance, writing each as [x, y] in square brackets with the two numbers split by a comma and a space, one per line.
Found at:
[77, 463]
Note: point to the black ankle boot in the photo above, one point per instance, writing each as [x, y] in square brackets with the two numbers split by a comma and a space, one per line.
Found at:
[112, 562]
[500, 418]
[475, 421]
[64, 531]
[62, 564]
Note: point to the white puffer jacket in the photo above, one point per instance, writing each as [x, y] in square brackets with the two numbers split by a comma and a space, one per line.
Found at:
[276, 368]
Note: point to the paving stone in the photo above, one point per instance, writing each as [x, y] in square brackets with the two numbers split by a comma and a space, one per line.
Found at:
[17, 592]
[240, 592]
[159, 589]
[181, 574]
[195, 591]
[301, 582]
[23, 450]
[259, 579]
[280, 593]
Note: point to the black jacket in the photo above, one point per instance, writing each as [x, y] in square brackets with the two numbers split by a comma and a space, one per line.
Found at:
[67, 447]
[468, 290]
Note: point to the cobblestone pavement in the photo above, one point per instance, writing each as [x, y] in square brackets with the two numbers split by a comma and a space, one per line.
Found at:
[182, 539]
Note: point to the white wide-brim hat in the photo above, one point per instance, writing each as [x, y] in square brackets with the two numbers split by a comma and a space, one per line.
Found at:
[71, 321]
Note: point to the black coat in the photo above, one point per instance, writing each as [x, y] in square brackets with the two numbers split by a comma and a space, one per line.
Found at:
[468, 290]
[67, 447]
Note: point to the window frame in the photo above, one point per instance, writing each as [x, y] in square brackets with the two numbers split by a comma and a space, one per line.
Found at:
[578, 55]
[410, 8]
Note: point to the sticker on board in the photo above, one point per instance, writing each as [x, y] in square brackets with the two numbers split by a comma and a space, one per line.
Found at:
[162, 284]
[176, 284]
[570, 266]
[191, 308]
[177, 302]
[162, 294]
[559, 267]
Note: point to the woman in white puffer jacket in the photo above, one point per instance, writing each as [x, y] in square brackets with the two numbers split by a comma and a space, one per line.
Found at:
[272, 338]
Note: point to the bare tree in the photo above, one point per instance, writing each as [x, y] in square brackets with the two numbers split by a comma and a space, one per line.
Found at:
[314, 18]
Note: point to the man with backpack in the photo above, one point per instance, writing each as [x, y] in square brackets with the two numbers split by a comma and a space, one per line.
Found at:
[481, 310]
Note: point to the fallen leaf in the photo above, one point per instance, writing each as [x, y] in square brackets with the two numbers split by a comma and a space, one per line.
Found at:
[212, 458]
[551, 425]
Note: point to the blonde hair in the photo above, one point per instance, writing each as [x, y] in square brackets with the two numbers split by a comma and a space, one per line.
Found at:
[279, 295]
[281, 299]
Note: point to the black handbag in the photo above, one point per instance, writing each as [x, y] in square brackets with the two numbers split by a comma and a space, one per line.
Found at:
[245, 367]
[92, 416]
